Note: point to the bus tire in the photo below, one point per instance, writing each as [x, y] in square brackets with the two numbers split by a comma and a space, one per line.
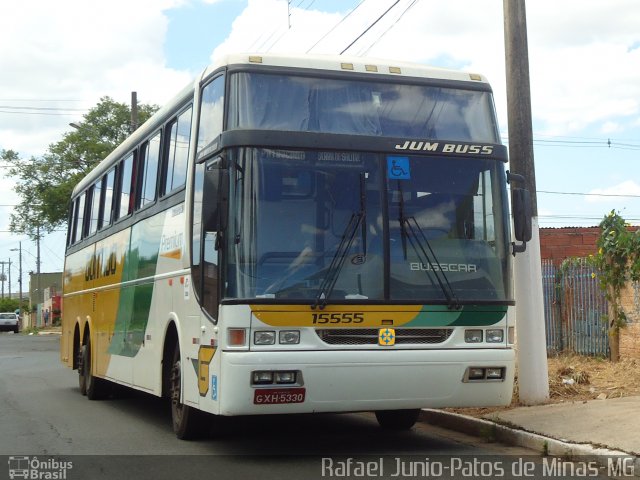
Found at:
[96, 388]
[397, 419]
[188, 423]
[82, 377]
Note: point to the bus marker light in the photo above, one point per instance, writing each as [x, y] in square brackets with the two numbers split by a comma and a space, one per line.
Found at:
[495, 373]
[237, 337]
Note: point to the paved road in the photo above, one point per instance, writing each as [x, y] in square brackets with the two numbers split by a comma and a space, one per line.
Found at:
[42, 413]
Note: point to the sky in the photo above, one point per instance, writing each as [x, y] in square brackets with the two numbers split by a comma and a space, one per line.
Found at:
[59, 58]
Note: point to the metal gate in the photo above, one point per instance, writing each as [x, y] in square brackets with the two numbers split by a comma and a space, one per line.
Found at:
[575, 309]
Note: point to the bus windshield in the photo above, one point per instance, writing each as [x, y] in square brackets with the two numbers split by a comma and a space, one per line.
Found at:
[322, 226]
[354, 107]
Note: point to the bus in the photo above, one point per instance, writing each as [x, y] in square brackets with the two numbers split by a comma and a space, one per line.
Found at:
[298, 234]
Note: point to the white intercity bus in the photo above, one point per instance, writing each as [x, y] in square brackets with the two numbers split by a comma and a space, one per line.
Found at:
[296, 234]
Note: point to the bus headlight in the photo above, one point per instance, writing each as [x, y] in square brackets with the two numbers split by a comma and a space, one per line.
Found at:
[264, 337]
[473, 336]
[289, 337]
[495, 336]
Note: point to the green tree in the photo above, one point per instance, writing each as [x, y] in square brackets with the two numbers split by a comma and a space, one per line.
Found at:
[44, 184]
[618, 260]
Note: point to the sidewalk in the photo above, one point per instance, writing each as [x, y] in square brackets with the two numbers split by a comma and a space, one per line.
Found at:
[595, 428]
[50, 331]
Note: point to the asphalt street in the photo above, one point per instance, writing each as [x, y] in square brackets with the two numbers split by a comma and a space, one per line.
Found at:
[43, 415]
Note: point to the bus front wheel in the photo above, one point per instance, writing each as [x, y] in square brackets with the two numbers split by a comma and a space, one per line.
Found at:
[397, 419]
[188, 422]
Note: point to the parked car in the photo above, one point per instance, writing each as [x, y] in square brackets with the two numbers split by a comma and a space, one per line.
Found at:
[9, 321]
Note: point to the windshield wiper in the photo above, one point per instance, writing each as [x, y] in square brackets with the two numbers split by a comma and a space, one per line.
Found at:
[333, 272]
[410, 229]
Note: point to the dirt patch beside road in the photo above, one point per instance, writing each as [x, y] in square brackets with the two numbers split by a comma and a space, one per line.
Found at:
[575, 378]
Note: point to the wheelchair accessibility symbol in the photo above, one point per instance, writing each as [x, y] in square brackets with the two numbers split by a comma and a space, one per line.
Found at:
[398, 168]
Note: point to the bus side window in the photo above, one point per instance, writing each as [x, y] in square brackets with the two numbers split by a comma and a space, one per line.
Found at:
[94, 209]
[211, 116]
[79, 218]
[70, 225]
[125, 183]
[148, 171]
[107, 210]
[175, 164]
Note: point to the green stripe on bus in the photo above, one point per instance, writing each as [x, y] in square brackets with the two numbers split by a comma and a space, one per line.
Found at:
[135, 301]
[468, 315]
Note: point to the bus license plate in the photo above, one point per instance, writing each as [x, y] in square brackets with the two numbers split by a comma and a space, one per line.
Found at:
[270, 396]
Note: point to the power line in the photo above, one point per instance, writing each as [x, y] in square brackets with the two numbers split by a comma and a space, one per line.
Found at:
[589, 194]
[370, 26]
[38, 113]
[390, 26]
[44, 108]
[40, 100]
[336, 25]
[289, 24]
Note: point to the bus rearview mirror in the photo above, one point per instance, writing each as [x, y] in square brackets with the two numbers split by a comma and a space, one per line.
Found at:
[522, 217]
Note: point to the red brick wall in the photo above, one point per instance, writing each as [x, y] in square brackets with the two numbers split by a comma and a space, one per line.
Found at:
[559, 243]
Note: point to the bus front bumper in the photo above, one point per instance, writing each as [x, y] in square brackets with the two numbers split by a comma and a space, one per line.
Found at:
[348, 381]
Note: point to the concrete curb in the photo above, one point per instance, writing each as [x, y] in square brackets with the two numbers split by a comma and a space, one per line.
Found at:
[514, 435]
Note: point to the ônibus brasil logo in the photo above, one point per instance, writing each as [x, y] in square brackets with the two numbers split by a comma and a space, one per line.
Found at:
[36, 469]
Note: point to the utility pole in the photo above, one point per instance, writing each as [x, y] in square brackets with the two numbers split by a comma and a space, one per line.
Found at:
[2, 277]
[533, 376]
[19, 249]
[38, 266]
[134, 111]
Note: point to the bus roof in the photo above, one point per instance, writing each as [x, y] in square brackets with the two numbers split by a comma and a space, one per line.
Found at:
[346, 63]
[336, 63]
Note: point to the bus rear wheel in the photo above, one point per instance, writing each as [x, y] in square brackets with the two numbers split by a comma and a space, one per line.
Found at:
[188, 422]
[94, 388]
[397, 419]
[82, 374]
